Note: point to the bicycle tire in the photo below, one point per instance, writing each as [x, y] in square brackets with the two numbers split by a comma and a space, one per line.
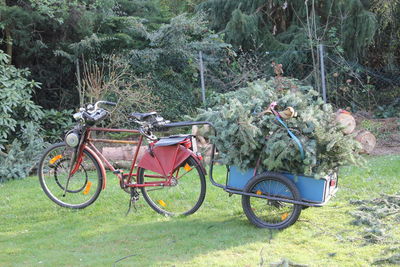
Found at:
[271, 214]
[53, 172]
[171, 200]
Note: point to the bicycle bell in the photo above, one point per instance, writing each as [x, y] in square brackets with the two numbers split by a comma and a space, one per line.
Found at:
[72, 138]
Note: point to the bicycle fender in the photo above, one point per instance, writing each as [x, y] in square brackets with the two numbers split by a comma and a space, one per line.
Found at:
[196, 158]
[165, 159]
[102, 169]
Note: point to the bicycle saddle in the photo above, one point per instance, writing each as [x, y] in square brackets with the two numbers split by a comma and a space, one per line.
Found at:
[142, 116]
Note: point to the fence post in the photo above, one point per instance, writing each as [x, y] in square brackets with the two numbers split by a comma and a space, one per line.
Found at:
[203, 88]
[322, 64]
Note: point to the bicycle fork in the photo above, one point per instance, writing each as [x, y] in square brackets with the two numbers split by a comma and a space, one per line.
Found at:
[75, 162]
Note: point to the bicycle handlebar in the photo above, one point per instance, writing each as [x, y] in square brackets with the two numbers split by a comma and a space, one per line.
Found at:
[99, 114]
[104, 102]
[92, 114]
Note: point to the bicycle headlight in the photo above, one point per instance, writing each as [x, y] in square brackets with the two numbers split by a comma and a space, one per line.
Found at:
[72, 139]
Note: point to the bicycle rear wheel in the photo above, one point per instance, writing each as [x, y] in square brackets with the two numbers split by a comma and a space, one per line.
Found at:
[183, 197]
[83, 187]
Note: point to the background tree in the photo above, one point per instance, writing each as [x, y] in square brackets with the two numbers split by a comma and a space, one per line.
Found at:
[385, 51]
[172, 61]
[41, 29]
[281, 24]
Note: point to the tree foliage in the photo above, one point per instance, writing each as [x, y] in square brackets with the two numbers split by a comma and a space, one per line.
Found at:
[282, 25]
[49, 37]
[172, 61]
[20, 140]
[385, 53]
[16, 104]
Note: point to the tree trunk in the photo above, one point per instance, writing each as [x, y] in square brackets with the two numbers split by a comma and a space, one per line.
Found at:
[9, 43]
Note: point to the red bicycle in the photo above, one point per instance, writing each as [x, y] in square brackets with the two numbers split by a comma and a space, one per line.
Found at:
[170, 174]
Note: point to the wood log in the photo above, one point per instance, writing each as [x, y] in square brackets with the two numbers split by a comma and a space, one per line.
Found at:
[347, 121]
[124, 153]
[367, 140]
[123, 164]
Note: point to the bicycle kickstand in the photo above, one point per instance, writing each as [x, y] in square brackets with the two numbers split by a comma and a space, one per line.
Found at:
[133, 199]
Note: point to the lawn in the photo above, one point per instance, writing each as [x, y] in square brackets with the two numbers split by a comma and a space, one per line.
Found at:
[36, 232]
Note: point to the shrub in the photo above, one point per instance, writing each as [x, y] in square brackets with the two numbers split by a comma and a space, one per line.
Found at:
[20, 140]
[22, 154]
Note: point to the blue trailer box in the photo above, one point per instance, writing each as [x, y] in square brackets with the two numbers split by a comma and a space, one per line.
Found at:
[311, 189]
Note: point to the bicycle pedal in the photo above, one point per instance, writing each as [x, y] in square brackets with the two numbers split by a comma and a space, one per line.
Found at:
[134, 195]
[134, 198]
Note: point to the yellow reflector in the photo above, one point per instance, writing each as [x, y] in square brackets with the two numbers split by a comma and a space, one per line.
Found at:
[259, 192]
[187, 167]
[55, 159]
[284, 216]
[162, 203]
[87, 188]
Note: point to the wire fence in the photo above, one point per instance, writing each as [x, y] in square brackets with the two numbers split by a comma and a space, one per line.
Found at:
[348, 84]
[362, 87]
[343, 83]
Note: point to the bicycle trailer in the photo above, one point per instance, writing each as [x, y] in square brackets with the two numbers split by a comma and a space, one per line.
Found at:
[275, 200]
[313, 192]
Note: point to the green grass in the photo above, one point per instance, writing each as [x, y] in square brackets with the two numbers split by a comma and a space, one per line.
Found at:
[36, 232]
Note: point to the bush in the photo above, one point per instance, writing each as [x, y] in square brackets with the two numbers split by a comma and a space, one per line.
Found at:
[114, 80]
[20, 140]
[22, 154]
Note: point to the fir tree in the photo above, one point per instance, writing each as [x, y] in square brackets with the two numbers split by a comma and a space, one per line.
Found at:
[247, 135]
[281, 25]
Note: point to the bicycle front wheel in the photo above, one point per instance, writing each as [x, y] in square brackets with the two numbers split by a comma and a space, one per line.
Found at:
[78, 191]
[185, 194]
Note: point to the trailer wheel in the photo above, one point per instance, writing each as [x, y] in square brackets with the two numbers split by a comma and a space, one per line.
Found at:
[271, 214]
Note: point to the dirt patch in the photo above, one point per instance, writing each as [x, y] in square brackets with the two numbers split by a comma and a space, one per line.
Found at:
[388, 145]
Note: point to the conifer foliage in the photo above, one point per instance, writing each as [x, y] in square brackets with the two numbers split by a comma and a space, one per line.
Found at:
[282, 25]
[247, 135]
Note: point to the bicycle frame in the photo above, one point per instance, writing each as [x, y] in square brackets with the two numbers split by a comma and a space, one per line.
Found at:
[159, 162]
